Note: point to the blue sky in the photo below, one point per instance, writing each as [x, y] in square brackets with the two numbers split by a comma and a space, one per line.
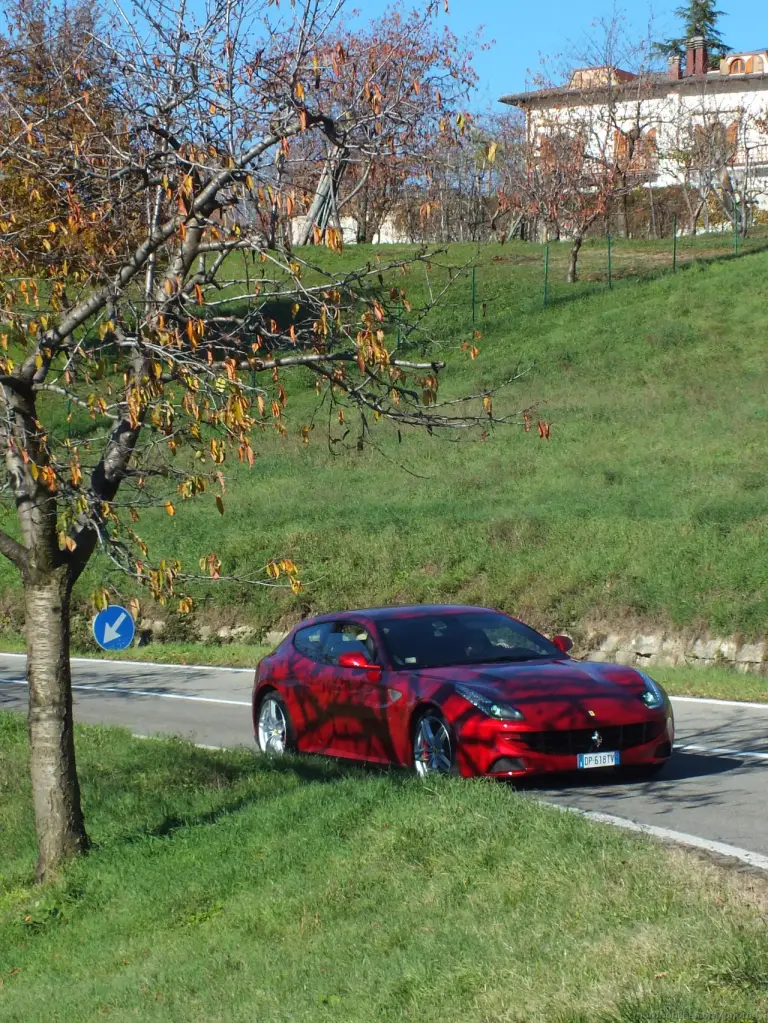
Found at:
[525, 29]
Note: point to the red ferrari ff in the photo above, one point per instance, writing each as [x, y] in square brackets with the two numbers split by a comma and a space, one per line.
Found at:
[465, 689]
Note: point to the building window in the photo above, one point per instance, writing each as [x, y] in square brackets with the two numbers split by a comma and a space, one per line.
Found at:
[758, 65]
[738, 67]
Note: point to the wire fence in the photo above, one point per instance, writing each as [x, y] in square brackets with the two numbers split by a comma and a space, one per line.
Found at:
[522, 277]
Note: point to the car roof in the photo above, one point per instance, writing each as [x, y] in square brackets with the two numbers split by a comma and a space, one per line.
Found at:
[397, 611]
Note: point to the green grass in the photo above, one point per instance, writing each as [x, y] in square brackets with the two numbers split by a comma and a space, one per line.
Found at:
[647, 507]
[226, 888]
[712, 683]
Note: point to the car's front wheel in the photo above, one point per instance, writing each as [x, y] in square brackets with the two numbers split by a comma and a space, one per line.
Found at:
[433, 747]
[274, 731]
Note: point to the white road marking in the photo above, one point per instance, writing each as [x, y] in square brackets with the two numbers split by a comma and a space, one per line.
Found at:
[666, 834]
[143, 664]
[719, 751]
[197, 745]
[94, 687]
[719, 703]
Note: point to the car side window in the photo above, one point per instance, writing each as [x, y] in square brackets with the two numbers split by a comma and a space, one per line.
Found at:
[311, 641]
[349, 637]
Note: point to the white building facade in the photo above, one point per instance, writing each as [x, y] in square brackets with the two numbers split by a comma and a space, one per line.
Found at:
[703, 131]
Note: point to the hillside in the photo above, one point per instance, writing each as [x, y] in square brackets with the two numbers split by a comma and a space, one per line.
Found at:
[649, 503]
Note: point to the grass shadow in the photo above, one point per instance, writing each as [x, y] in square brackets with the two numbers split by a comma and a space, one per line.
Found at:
[308, 770]
[621, 277]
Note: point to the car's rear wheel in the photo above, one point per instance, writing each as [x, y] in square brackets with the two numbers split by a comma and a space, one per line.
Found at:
[433, 747]
[274, 731]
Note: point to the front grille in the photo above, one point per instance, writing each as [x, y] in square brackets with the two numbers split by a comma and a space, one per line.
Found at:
[579, 740]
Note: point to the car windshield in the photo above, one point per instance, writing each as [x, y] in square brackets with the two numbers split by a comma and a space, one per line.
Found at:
[481, 637]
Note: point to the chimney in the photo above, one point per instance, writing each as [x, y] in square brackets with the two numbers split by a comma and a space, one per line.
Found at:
[697, 57]
[673, 71]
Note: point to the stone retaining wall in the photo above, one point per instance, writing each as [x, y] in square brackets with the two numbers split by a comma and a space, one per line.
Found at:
[671, 650]
[620, 647]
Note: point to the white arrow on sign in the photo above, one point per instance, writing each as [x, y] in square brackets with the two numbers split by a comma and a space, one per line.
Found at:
[111, 632]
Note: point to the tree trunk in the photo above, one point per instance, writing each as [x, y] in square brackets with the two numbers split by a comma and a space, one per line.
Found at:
[55, 789]
[573, 258]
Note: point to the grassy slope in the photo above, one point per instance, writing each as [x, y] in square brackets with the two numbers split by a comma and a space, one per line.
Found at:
[648, 504]
[229, 889]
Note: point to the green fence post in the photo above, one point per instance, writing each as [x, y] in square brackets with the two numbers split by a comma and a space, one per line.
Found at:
[473, 295]
[674, 244]
[546, 273]
[735, 227]
[610, 274]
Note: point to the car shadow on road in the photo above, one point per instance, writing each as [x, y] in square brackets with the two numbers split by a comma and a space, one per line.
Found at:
[675, 788]
[680, 766]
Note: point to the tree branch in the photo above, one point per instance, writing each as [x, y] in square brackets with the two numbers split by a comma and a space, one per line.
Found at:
[13, 550]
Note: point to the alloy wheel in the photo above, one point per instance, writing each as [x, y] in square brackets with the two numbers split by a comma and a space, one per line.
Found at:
[273, 726]
[432, 749]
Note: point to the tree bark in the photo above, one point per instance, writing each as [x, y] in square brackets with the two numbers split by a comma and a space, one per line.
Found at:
[573, 258]
[55, 789]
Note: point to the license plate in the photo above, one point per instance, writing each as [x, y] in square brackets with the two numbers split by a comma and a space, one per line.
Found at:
[607, 759]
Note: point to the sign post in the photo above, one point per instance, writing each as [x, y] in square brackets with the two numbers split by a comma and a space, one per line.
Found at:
[114, 628]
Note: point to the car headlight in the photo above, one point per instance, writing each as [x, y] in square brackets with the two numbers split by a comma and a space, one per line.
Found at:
[493, 708]
[653, 697]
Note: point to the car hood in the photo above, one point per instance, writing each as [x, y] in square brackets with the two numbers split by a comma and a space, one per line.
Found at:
[559, 693]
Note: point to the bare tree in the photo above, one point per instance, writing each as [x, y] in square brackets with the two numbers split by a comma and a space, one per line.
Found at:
[592, 141]
[398, 90]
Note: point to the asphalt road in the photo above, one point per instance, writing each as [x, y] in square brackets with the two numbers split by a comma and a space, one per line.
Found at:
[715, 787]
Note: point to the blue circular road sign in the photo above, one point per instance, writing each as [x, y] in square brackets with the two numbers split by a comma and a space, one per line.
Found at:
[114, 628]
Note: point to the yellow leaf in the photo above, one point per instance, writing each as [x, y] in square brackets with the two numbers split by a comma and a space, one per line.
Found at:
[299, 91]
[492, 152]
[100, 599]
[169, 508]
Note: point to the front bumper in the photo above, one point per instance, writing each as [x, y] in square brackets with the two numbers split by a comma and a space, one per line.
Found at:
[503, 749]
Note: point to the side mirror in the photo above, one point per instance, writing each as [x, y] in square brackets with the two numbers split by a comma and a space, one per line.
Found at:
[354, 659]
[563, 643]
